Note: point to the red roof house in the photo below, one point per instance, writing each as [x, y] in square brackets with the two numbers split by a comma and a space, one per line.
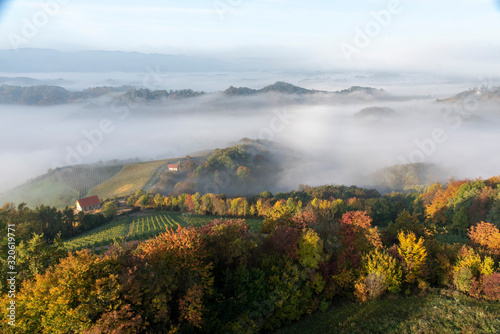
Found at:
[88, 203]
[173, 167]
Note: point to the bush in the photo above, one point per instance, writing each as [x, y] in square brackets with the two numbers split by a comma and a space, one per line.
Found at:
[375, 283]
[381, 263]
[490, 286]
[463, 280]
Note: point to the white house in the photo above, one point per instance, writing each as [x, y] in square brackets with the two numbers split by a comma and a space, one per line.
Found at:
[88, 203]
[173, 167]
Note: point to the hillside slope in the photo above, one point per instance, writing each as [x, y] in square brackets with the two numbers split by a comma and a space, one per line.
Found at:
[46, 191]
[129, 180]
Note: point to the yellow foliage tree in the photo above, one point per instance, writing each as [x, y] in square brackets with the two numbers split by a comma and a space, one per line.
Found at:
[310, 249]
[468, 258]
[414, 255]
[381, 263]
[67, 298]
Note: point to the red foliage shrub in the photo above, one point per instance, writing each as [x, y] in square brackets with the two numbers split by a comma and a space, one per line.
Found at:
[490, 286]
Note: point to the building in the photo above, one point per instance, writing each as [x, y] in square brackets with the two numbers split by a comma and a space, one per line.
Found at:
[173, 167]
[88, 203]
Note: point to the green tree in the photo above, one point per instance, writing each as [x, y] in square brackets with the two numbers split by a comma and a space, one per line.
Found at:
[109, 209]
[35, 256]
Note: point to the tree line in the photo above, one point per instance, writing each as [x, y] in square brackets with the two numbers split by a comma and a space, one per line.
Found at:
[309, 252]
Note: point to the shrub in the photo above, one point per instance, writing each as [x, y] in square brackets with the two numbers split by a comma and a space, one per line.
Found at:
[463, 279]
[381, 263]
[468, 271]
[468, 258]
[376, 285]
[490, 286]
[360, 289]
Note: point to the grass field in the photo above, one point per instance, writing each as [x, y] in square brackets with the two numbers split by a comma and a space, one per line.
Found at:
[432, 313]
[131, 178]
[46, 191]
[142, 227]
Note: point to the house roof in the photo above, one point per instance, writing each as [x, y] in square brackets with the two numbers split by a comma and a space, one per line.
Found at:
[89, 201]
[173, 165]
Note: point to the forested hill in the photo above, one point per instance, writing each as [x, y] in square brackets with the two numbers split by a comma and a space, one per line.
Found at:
[491, 94]
[54, 95]
[43, 95]
[248, 167]
[278, 87]
[51, 95]
[287, 88]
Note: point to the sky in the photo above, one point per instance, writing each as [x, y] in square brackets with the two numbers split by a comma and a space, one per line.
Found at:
[436, 35]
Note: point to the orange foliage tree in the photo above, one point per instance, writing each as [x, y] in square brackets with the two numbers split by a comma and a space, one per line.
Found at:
[486, 235]
[436, 200]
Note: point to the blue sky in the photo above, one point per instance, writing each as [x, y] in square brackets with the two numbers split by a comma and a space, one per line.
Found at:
[450, 33]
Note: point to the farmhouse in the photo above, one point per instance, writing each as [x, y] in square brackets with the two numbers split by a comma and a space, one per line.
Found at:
[88, 203]
[173, 167]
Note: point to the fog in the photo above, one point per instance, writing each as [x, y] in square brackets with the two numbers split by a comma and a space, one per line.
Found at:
[329, 144]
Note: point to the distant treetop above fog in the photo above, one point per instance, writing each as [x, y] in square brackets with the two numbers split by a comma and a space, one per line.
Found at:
[375, 112]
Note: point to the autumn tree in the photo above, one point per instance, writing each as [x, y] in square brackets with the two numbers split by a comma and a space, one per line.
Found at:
[178, 279]
[70, 297]
[414, 255]
[35, 256]
[486, 235]
[357, 232]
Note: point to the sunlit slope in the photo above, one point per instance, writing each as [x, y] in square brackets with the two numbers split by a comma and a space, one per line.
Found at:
[85, 177]
[46, 191]
[129, 180]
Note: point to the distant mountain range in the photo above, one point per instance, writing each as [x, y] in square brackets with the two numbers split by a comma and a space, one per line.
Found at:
[41, 94]
[53, 95]
[29, 60]
[287, 88]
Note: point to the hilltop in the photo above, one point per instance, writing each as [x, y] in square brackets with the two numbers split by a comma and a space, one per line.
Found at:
[63, 186]
[250, 166]
[487, 94]
[277, 87]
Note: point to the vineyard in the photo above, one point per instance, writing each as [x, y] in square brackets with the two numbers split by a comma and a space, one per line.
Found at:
[131, 178]
[84, 178]
[143, 227]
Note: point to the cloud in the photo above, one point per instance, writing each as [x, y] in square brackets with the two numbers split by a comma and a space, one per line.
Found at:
[331, 145]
